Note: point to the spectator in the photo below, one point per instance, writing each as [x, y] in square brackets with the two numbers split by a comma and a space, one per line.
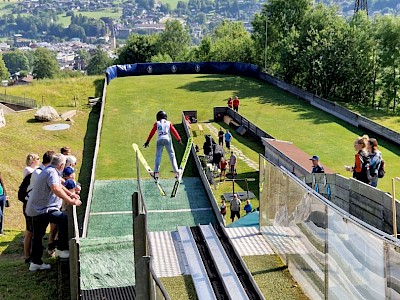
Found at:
[3, 203]
[44, 206]
[32, 162]
[236, 104]
[317, 168]
[223, 209]
[375, 160]
[28, 220]
[235, 207]
[70, 161]
[232, 163]
[65, 150]
[361, 160]
[221, 137]
[228, 138]
[222, 167]
[70, 183]
[248, 207]
[230, 102]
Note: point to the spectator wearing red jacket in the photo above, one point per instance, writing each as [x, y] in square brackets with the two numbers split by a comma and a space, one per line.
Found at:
[236, 104]
[230, 102]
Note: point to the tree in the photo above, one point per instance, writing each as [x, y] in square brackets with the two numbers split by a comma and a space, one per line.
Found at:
[98, 63]
[174, 41]
[388, 38]
[283, 19]
[138, 49]
[4, 74]
[45, 64]
[16, 61]
[231, 42]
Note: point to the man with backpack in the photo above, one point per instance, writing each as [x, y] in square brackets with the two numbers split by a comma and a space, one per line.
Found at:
[23, 195]
[44, 206]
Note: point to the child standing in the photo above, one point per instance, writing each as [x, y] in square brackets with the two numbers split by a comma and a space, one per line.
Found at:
[223, 208]
[164, 129]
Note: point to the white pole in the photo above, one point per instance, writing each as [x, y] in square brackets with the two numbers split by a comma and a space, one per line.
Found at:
[394, 208]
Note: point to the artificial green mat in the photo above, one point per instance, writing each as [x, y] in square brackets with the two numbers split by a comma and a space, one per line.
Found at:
[107, 262]
[110, 213]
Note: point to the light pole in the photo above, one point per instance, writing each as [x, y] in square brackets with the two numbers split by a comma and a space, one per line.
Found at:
[266, 37]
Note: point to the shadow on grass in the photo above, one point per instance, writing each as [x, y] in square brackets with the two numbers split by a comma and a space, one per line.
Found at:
[87, 159]
[276, 269]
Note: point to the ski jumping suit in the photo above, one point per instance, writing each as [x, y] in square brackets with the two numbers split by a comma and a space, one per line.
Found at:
[164, 129]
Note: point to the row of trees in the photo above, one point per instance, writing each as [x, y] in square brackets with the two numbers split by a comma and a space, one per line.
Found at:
[42, 63]
[311, 46]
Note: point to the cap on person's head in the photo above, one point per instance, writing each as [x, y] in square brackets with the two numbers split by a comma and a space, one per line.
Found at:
[315, 157]
[68, 171]
[69, 184]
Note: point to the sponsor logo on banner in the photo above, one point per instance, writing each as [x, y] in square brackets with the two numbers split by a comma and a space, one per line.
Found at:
[174, 69]
[149, 69]
[197, 68]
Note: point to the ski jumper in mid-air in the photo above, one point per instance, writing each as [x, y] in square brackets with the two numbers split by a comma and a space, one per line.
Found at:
[164, 129]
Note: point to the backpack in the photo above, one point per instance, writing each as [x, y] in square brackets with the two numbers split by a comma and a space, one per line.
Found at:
[381, 170]
[23, 188]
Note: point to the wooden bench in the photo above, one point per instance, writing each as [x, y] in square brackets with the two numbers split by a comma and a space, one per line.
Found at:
[200, 129]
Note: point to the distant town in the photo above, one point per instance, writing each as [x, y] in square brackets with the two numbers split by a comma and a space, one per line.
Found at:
[30, 24]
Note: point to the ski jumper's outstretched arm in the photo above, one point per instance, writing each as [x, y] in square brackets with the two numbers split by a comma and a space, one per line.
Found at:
[175, 133]
[152, 132]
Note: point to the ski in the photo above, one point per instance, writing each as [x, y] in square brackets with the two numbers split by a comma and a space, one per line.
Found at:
[182, 166]
[148, 169]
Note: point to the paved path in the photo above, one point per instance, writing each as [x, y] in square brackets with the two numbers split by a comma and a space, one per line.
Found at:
[251, 163]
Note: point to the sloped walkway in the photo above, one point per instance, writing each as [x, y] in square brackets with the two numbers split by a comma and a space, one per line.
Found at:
[251, 163]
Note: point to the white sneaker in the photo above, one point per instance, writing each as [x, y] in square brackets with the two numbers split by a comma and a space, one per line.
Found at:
[35, 267]
[62, 253]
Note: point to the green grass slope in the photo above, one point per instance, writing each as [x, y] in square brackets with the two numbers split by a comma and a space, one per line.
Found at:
[132, 103]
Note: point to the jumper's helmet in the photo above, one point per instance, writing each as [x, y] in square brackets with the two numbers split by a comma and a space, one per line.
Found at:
[161, 115]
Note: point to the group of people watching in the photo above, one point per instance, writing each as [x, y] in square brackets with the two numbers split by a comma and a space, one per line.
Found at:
[52, 186]
[368, 162]
[234, 103]
[235, 204]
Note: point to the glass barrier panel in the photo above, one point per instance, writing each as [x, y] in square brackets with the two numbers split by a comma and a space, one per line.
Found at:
[393, 272]
[306, 218]
[356, 264]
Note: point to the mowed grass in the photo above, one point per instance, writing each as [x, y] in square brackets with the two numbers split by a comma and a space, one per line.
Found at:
[111, 13]
[132, 103]
[23, 135]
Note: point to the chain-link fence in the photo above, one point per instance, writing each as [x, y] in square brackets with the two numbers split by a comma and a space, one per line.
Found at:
[18, 101]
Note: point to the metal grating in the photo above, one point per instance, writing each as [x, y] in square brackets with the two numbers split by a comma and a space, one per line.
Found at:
[118, 293]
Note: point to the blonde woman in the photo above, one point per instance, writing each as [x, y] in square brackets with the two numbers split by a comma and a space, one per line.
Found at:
[361, 160]
[32, 162]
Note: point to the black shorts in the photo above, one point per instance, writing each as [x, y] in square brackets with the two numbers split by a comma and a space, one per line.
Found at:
[28, 220]
[235, 213]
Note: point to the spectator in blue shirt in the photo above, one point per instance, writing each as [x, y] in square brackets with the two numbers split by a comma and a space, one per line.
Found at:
[317, 168]
[228, 138]
[248, 207]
